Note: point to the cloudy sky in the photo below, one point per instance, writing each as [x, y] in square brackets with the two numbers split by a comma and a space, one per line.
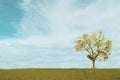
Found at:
[41, 33]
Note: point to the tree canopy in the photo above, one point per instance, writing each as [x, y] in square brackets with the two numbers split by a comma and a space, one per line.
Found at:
[95, 44]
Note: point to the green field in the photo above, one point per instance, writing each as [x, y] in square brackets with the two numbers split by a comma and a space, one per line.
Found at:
[60, 74]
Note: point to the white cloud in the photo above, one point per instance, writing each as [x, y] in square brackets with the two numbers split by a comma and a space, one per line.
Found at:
[50, 28]
[60, 21]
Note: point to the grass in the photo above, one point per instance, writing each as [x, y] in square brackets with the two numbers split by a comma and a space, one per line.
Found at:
[60, 74]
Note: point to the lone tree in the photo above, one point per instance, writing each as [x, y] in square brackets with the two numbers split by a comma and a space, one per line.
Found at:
[95, 45]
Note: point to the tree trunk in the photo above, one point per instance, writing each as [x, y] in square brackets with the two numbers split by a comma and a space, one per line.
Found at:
[93, 62]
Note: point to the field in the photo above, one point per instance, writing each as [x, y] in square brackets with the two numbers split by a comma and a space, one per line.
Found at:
[60, 74]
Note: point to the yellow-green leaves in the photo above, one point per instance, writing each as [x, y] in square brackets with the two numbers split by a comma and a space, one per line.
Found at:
[95, 44]
[79, 44]
[109, 43]
[85, 36]
[94, 36]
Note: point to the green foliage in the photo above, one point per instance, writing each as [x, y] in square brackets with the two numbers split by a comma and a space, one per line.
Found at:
[95, 44]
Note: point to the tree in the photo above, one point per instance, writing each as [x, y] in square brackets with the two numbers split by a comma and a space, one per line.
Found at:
[95, 45]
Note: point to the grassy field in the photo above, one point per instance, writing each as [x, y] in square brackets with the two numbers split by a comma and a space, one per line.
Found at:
[60, 74]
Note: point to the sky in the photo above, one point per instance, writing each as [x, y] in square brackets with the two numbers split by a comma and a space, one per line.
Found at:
[41, 33]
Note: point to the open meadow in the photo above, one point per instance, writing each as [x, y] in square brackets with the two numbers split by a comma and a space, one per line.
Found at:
[60, 74]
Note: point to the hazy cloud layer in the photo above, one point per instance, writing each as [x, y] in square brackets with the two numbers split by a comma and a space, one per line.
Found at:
[46, 33]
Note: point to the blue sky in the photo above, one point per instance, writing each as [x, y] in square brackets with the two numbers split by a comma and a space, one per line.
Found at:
[41, 33]
[9, 13]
